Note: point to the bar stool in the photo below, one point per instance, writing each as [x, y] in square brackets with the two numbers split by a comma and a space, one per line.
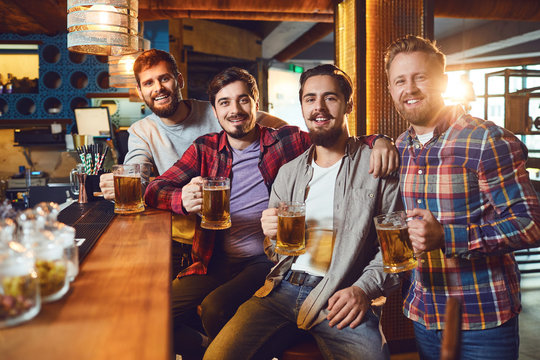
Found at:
[305, 349]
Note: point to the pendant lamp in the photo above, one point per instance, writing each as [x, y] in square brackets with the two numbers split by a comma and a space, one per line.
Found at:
[102, 27]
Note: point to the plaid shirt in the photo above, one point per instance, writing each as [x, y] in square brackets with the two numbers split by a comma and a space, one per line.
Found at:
[471, 175]
[210, 155]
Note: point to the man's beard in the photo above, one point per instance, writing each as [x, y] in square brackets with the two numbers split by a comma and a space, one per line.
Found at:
[168, 110]
[325, 138]
[241, 131]
[420, 117]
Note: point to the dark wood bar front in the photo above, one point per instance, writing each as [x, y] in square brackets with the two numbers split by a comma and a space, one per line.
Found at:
[118, 306]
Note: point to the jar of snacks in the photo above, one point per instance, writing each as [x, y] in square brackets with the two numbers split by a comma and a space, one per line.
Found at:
[51, 266]
[66, 235]
[19, 287]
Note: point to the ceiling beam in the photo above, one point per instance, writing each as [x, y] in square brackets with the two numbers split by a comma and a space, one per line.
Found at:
[149, 15]
[487, 38]
[277, 6]
[312, 36]
[284, 33]
[526, 10]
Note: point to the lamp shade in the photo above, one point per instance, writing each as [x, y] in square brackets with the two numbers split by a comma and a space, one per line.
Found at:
[121, 67]
[102, 27]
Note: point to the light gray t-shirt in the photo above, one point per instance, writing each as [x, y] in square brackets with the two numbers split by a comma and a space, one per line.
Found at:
[152, 142]
[249, 198]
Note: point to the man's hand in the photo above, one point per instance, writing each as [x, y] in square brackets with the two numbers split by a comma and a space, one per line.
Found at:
[347, 307]
[192, 195]
[425, 231]
[384, 158]
[269, 222]
[106, 183]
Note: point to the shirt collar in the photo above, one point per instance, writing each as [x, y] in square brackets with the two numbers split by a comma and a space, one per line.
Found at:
[445, 118]
[268, 138]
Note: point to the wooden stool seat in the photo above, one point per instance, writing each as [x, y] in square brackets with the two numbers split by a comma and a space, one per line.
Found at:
[306, 349]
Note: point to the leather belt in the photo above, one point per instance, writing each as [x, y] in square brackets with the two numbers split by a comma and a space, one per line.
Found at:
[302, 278]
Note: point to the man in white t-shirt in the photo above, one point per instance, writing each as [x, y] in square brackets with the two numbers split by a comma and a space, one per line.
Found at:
[328, 290]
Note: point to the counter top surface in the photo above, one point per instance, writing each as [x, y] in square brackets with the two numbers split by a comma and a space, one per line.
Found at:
[117, 307]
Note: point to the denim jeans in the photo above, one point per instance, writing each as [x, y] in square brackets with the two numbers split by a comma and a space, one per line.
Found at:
[257, 322]
[228, 283]
[501, 342]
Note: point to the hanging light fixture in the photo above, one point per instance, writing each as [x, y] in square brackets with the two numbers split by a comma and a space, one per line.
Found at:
[102, 27]
[121, 67]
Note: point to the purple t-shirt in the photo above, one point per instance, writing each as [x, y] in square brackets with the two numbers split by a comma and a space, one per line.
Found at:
[249, 197]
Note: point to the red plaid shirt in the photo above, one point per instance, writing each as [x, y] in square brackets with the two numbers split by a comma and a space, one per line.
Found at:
[210, 155]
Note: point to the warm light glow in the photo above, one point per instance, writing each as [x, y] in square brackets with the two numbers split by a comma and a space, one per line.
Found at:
[121, 67]
[459, 90]
[104, 16]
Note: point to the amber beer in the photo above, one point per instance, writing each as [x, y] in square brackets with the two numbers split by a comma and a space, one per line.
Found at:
[127, 189]
[396, 248]
[216, 203]
[291, 238]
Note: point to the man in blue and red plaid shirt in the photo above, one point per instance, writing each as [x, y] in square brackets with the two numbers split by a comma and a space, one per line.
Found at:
[229, 265]
[465, 186]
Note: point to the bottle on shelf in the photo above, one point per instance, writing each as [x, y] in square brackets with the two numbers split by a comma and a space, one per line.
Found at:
[8, 87]
[1, 84]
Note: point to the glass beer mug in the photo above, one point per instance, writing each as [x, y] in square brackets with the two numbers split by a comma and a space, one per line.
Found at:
[127, 189]
[215, 210]
[291, 239]
[396, 248]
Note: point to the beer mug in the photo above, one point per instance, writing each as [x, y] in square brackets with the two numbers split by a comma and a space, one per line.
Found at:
[127, 189]
[291, 238]
[216, 203]
[396, 248]
[320, 247]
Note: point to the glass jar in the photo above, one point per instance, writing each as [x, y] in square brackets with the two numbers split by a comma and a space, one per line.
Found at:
[66, 235]
[19, 287]
[51, 266]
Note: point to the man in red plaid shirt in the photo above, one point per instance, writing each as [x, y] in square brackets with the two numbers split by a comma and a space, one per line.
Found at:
[229, 265]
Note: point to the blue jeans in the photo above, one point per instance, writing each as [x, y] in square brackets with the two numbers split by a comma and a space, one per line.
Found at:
[501, 342]
[258, 321]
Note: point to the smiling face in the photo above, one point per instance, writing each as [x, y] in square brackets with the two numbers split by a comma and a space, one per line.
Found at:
[160, 90]
[324, 109]
[416, 83]
[236, 110]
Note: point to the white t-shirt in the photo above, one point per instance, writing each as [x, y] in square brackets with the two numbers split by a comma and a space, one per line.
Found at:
[319, 215]
[424, 138]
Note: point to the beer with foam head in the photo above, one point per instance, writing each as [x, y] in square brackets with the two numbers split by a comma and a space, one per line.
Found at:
[216, 203]
[396, 248]
[127, 189]
[291, 238]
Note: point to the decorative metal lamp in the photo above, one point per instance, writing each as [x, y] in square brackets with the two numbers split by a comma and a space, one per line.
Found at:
[102, 27]
[121, 67]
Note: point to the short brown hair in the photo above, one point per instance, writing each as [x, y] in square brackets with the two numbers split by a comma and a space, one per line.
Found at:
[344, 81]
[153, 57]
[228, 76]
[413, 43]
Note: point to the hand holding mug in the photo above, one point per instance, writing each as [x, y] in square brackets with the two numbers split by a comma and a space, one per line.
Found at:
[192, 195]
[269, 222]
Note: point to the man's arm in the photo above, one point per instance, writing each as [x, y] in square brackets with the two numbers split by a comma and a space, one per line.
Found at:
[165, 192]
[265, 119]
[139, 151]
[502, 178]
[512, 218]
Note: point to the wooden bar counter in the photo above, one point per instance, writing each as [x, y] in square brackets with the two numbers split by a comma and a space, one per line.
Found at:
[117, 308]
